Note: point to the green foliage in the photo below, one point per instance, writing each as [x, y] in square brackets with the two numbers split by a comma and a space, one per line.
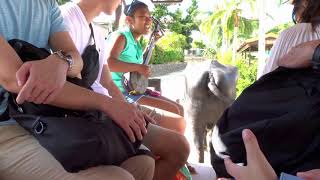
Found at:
[221, 24]
[198, 44]
[278, 29]
[248, 28]
[160, 10]
[225, 58]
[60, 2]
[247, 74]
[169, 49]
[247, 69]
[178, 23]
[172, 41]
[161, 56]
[143, 42]
[210, 53]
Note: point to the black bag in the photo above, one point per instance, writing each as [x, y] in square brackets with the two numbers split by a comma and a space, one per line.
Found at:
[283, 110]
[77, 139]
[91, 65]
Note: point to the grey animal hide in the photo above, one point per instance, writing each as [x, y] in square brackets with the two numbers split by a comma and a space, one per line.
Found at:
[210, 89]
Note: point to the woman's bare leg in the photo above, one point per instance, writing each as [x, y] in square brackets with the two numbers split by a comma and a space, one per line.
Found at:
[160, 103]
[166, 119]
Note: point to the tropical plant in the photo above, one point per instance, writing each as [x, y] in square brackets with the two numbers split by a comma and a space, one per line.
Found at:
[247, 74]
[186, 24]
[177, 22]
[278, 29]
[210, 53]
[169, 49]
[160, 11]
[226, 23]
[198, 44]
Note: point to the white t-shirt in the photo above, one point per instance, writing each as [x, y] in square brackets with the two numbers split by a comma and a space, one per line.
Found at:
[80, 32]
[289, 38]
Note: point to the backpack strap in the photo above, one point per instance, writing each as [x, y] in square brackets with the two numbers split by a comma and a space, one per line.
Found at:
[92, 34]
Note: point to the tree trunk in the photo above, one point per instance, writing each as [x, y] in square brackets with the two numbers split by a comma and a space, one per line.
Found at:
[235, 45]
[224, 46]
[118, 17]
[235, 39]
[262, 44]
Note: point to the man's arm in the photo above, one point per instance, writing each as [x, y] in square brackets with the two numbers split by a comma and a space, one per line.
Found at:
[42, 80]
[310, 175]
[299, 56]
[62, 41]
[9, 64]
[107, 82]
[116, 65]
[71, 96]
[48, 75]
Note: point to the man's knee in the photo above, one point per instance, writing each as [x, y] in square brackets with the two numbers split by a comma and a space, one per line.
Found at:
[175, 147]
[102, 173]
[181, 149]
[148, 167]
[141, 167]
[178, 149]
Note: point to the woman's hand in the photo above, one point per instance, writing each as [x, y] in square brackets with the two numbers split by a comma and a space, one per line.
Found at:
[144, 70]
[310, 175]
[299, 56]
[258, 166]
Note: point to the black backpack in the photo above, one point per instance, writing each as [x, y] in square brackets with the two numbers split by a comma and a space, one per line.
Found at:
[77, 139]
[282, 108]
[90, 57]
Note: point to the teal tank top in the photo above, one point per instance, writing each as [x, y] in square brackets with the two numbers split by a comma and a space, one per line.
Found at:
[132, 53]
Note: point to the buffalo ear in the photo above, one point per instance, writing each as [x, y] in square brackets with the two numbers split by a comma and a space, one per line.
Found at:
[212, 85]
[214, 89]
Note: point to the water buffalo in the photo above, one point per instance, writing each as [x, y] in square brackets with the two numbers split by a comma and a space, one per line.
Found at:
[210, 89]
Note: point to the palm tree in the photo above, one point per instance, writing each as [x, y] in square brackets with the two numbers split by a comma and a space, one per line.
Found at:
[227, 22]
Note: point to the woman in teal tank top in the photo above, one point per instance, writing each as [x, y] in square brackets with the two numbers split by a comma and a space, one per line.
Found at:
[126, 56]
[132, 53]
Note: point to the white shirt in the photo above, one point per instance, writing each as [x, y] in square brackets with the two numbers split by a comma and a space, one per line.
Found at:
[80, 33]
[289, 38]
